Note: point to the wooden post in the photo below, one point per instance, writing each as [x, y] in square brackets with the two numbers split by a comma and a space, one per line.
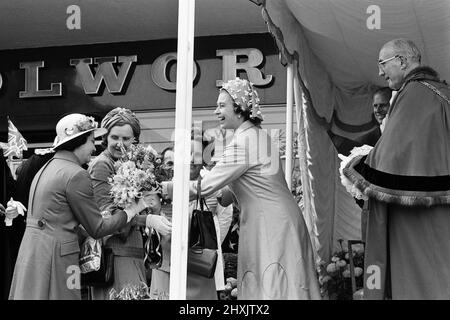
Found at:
[183, 118]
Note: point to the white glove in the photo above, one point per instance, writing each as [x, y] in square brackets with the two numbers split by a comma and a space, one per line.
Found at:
[13, 210]
[135, 208]
[159, 223]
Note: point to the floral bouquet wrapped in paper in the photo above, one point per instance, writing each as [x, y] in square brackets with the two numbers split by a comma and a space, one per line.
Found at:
[137, 172]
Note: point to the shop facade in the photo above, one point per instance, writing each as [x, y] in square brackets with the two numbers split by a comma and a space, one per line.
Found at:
[40, 85]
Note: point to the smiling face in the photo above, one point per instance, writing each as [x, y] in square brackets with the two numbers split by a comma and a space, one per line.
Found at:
[117, 136]
[380, 106]
[228, 119]
[392, 71]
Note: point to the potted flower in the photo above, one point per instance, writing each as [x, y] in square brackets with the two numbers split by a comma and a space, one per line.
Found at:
[335, 276]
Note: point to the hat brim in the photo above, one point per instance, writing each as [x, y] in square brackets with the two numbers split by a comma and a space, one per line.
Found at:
[98, 132]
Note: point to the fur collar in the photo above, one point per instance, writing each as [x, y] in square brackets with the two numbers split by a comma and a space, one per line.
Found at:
[402, 197]
[422, 72]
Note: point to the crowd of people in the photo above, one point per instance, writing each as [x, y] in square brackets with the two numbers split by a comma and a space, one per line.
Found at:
[405, 178]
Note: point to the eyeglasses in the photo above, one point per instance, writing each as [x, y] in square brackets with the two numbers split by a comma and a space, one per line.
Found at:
[382, 63]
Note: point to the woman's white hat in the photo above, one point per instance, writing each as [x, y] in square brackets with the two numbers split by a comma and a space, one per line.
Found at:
[74, 125]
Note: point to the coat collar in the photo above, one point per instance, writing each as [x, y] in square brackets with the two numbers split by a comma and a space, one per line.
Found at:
[67, 155]
[420, 73]
[244, 126]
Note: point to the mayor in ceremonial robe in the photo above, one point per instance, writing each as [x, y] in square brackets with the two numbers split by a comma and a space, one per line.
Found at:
[406, 177]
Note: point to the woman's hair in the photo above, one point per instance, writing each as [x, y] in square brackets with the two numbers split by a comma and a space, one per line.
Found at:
[246, 114]
[71, 145]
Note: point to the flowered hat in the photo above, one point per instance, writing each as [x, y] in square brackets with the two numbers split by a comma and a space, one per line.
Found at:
[245, 96]
[74, 125]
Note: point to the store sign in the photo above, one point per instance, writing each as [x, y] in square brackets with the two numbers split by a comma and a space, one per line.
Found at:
[114, 71]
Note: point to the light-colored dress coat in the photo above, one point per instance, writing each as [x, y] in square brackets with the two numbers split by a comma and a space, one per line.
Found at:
[275, 259]
[127, 244]
[61, 198]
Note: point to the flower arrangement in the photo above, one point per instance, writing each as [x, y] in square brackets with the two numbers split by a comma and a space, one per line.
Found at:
[230, 292]
[230, 273]
[138, 171]
[131, 292]
[87, 123]
[335, 278]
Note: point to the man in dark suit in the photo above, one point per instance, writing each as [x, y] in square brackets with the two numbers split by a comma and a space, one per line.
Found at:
[381, 105]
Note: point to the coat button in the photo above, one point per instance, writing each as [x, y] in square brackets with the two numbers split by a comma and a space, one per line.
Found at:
[41, 224]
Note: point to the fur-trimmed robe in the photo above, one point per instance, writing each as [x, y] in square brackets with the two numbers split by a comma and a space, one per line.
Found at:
[407, 179]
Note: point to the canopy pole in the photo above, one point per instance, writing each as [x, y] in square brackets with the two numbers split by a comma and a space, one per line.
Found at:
[183, 118]
[289, 124]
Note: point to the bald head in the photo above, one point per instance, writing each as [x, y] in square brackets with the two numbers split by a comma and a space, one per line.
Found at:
[404, 47]
[396, 59]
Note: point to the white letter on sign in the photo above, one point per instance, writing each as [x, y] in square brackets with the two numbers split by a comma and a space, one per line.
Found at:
[105, 71]
[160, 73]
[32, 82]
[230, 66]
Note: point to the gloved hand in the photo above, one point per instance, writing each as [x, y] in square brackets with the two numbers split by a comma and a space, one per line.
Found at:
[135, 208]
[13, 210]
[160, 224]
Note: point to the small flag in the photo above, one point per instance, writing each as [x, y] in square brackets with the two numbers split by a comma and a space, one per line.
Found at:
[16, 142]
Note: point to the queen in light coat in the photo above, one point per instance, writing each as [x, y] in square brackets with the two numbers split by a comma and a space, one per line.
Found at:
[275, 259]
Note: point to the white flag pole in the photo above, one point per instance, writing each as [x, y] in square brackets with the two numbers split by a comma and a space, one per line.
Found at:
[183, 118]
[289, 124]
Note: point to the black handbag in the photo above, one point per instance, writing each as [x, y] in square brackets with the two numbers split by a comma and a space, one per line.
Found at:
[202, 261]
[202, 254]
[104, 276]
[153, 250]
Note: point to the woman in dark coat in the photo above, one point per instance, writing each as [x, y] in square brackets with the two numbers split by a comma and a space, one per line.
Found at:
[62, 199]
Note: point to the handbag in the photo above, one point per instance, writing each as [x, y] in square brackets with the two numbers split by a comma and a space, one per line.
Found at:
[202, 261]
[202, 253]
[153, 250]
[97, 265]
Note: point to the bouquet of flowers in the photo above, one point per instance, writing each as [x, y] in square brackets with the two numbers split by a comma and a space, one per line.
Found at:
[131, 292]
[335, 277]
[138, 171]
